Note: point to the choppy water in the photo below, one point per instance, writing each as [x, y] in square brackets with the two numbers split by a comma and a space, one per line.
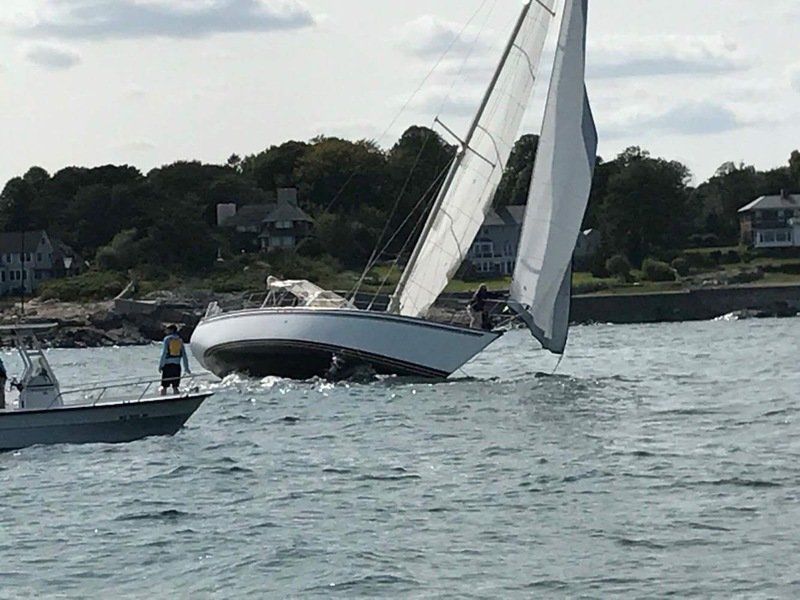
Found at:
[664, 460]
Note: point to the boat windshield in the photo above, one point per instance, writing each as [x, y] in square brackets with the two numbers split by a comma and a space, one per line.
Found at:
[304, 293]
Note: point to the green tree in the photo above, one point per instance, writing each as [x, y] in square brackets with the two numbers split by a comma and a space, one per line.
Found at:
[275, 167]
[646, 208]
[516, 182]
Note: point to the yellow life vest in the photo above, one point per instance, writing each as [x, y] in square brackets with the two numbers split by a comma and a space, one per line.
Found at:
[175, 347]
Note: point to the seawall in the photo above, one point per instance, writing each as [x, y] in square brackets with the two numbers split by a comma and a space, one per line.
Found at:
[687, 305]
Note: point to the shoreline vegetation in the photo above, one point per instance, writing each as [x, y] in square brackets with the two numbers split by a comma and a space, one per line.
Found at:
[658, 232]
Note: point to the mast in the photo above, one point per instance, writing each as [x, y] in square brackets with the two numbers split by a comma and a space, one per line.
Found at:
[394, 304]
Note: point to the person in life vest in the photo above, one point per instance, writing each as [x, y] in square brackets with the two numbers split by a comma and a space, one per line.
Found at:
[173, 354]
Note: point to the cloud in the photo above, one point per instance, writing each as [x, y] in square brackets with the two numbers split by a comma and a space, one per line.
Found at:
[52, 57]
[105, 19]
[695, 118]
[630, 56]
[430, 37]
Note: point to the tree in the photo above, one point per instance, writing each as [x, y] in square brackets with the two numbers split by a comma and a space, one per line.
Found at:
[342, 175]
[516, 182]
[416, 166]
[17, 207]
[646, 208]
[275, 167]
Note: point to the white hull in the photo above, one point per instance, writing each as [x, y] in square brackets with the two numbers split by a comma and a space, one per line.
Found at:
[101, 423]
[299, 343]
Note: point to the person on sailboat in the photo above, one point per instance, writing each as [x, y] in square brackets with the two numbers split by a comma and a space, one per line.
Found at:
[478, 308]
[173, 353]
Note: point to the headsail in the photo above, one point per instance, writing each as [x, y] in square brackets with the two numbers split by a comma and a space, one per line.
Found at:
[562, 180]
[461, 207]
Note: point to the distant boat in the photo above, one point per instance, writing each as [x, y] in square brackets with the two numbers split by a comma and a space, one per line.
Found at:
[300, 341]
[40, 416]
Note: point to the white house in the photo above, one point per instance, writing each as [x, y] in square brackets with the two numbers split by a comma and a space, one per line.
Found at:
[29, 258]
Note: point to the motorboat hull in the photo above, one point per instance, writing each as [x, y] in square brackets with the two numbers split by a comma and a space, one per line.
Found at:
[300, 343]
[116, 422]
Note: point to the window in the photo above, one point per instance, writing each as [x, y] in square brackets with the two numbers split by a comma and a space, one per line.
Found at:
[508, 249]
[284, 224]
[281, 241]
[2, 275]
[768, 237]
[39, 256]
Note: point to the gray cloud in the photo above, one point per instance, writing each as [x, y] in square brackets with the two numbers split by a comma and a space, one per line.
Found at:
[627, 56]
[696, 118]
[690, 118]
[52, 58]
[103, 19]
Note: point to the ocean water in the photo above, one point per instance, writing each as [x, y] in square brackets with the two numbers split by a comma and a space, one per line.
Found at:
[660, 460]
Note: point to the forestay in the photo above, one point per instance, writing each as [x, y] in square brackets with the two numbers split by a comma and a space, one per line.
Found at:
[466, 195]
[562, 180]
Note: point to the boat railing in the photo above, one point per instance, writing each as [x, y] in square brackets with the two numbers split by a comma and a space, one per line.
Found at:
[141, 389]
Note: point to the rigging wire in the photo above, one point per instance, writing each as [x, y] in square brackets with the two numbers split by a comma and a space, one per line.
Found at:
[376, 252]
[411, 98]
[422, 217]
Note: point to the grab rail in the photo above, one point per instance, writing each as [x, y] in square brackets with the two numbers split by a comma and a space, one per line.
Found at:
[147, 384]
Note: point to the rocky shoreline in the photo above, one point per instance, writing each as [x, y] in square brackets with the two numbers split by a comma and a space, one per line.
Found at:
[129, 322]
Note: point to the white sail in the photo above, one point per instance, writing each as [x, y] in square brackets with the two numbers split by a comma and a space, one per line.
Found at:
[466, 195]
[562, 180]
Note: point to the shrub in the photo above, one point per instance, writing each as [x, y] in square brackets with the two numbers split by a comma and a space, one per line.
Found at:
[732, 258]
[620, 267]
[715, 256]
[697, 260]
[92, 285]
[747, 276]
[681, 265]
[654, 270]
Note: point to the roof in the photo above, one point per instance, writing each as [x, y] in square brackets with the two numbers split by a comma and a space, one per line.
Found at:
[251, 215]
[255, 215]
[284, 211]
[778, 201]
[11, 241]
[505, 216]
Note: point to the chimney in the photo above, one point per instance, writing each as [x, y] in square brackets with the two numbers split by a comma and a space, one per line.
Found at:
[225, 212]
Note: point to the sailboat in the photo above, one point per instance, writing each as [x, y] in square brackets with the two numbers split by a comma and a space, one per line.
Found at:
[301, 340]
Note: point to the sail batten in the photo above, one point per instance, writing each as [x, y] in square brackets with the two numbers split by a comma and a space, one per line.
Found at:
[461, 207]
[562, 179]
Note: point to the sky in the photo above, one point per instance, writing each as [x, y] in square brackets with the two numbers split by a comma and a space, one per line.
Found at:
[149, 82]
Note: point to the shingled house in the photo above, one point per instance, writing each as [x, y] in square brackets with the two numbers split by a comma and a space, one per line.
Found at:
[771, 221]
[494, 251]
[282, 224]
[29, 258]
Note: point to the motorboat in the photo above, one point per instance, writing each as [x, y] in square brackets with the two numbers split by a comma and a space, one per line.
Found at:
[319, 328]
[42, 412]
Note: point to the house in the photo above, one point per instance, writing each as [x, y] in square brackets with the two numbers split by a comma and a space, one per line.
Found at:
[771, 221]
[282, 224]
[29, 258]
[494, 251]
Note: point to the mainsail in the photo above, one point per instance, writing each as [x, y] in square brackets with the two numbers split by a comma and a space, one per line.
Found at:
[461, 207]
[562, 180]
